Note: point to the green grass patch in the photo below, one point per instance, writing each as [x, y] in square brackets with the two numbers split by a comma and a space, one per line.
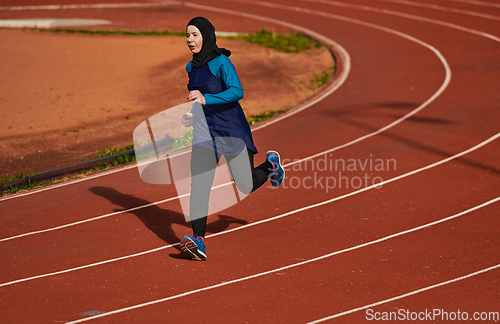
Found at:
[21, 176]
[268, 114]
[102, 153]
[123, 159]
[31, 185]
[320, 80]
[184, 140]
[290, 43]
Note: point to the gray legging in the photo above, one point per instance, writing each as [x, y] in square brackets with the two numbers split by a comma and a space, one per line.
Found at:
[203, 164]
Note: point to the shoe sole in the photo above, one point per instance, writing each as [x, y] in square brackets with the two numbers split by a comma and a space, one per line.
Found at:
[188, 246]
[279, 162]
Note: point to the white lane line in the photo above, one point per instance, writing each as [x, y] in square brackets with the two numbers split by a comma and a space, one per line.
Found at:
[50, 274]
[342, 79]
[405, 295]
[480, 3]
[408, 16]
[441, 8]
[68, 182]
[430, 166]
[304, 263]
[125, 211]
[91, 6]
[329, 89]
[91, 219]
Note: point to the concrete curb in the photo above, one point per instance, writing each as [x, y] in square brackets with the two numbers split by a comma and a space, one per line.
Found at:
[64, 171]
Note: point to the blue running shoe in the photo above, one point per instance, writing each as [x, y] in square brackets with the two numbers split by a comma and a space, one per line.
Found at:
[278, 174]
[195, 246]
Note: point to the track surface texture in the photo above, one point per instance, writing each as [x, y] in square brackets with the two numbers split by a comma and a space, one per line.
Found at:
[415, 105]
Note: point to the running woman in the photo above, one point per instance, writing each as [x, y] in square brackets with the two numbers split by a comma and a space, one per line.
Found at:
[213, 83]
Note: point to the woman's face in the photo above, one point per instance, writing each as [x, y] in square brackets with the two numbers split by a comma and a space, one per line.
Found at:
[194, 39]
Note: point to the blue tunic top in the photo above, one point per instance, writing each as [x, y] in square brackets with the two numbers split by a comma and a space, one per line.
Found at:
[218, 82]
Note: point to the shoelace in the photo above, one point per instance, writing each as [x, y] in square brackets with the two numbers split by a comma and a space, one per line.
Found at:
[273, 174]
[201, 238]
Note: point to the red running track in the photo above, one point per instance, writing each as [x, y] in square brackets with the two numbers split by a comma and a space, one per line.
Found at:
[417, 91]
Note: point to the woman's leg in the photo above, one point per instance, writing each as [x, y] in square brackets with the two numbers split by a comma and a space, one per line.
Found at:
[260, 173]
[203, 164]
[245, 175]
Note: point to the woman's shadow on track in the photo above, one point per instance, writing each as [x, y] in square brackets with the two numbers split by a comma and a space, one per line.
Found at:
[159, 220]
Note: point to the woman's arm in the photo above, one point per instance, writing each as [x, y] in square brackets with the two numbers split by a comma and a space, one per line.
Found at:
[223, 68]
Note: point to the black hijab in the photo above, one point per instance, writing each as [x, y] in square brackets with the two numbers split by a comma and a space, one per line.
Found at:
[209, 49]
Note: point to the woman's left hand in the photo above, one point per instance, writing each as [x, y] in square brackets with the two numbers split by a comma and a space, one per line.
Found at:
[197, 96]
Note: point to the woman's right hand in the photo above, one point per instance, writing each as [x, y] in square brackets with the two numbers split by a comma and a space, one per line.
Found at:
[187, 119]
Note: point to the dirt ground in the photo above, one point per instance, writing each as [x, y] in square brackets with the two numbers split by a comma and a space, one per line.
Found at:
[64, 96]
